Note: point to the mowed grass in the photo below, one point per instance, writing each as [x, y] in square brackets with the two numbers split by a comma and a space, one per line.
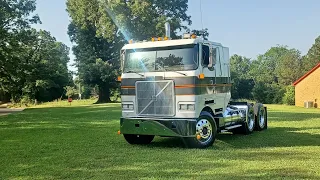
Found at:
[81, 142]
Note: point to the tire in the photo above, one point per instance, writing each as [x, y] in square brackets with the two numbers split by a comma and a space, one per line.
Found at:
[261, 118]
[249, 124]
[206, 128]
[138, 139]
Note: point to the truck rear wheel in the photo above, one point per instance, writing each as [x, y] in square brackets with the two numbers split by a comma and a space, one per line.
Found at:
[249, 124]
[138, 139]
[206, 132]
[261, 118]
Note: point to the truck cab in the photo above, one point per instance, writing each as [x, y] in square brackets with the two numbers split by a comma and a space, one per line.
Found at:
[179, 88]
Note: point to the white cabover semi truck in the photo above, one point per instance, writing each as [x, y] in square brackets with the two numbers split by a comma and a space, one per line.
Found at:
[181, 88]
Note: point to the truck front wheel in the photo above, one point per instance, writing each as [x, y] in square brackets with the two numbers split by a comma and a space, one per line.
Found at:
[138, 139]
[206, 131]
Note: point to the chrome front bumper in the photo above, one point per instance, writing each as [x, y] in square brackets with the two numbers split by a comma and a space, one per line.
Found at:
[160, 127]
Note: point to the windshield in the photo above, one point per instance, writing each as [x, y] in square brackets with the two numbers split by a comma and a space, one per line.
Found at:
[175, 58]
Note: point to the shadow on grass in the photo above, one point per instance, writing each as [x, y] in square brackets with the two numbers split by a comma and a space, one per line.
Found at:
[278, 173]
[168, 142]
[292, 116]
[195, 165]
[273, 137]
[107, 115]
[198, 171]
[55, 118]
[81, 142]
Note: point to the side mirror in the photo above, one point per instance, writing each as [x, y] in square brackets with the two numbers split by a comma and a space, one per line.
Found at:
[212, 57]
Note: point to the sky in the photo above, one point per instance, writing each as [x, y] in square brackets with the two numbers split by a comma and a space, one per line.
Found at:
[247, 27]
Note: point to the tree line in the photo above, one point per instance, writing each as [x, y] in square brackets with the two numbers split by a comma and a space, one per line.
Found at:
[100, 29]
[269, 78]
[33, 64]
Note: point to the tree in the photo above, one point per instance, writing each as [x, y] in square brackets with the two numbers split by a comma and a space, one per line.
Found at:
[313, 56]
[70, 91]
[289, 67]
[41, 70]
[289, 96]
[15, 21]
[273, 71]
[96, 59]
[242, 82]
[33, 64]
[265, 69]
[201, 33]
[48, 72]
[100, 28]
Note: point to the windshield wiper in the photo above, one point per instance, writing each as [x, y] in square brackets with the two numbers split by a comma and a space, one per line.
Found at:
[175, 72]
[180, 73]
[135, 72]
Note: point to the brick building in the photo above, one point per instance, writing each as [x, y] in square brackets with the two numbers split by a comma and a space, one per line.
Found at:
[307, 88]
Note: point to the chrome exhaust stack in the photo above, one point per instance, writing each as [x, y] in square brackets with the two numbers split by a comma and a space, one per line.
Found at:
[167, 27]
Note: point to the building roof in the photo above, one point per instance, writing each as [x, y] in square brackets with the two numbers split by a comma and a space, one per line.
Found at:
[306, 75]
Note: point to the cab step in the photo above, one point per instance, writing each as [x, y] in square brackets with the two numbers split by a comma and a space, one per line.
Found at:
[230, 127]
[233, 127]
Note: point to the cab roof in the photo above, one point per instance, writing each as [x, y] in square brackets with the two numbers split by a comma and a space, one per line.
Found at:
[166, 43]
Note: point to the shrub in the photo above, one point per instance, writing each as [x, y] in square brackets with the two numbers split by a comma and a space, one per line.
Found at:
[289, 96]
[70, 91]
[268, 93]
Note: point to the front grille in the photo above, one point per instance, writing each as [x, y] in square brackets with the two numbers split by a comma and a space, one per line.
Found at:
[155, 98]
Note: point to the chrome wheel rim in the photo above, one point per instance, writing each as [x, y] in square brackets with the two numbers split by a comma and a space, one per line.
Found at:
[261, 119]
[250, 121]
[204, 129]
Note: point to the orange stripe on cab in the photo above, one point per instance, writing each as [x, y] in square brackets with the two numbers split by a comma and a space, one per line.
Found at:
[201, 85]
[185, 86]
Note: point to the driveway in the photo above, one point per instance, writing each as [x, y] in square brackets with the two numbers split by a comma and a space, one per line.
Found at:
[6, 111]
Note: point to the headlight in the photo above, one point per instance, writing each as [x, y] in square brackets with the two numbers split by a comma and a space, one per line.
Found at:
[186, 107]
[191, 107]
[127, 106]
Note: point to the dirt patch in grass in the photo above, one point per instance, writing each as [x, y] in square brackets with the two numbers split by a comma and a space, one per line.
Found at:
[6, 111]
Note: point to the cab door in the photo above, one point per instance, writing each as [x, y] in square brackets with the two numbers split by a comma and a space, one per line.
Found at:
[212, 72]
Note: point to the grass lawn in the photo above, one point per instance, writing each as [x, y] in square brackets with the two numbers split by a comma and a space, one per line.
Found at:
[81, 142]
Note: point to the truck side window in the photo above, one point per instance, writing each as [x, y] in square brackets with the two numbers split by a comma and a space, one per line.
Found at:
[205, 55]
[214, 58]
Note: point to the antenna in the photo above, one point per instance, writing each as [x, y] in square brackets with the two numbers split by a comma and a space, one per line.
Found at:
[201, 18]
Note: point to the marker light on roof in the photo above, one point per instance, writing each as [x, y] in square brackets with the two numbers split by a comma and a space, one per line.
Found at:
[186, 36]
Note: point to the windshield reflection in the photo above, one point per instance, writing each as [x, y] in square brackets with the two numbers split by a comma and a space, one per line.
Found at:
[176, 58]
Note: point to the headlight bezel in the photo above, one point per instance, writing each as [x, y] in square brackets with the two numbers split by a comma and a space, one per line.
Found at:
[127, 106]
[186, 106]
